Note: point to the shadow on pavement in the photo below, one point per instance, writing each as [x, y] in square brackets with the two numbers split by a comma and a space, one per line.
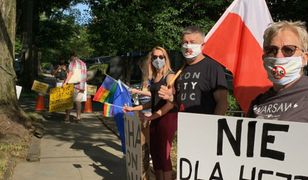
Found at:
[93, 138]
[90, 136]
[106, 164]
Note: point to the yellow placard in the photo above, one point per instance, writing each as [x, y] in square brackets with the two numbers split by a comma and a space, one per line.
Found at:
[39, 87]
[91, 89]
[61, 98]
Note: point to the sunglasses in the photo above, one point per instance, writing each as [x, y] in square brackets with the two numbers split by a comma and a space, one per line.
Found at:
[155, 57]
[286, 50]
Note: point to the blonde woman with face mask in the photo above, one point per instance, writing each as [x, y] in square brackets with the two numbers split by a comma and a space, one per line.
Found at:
[284, 57]
[163, 119]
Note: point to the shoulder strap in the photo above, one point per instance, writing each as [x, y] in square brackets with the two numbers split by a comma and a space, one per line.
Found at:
[169, 72]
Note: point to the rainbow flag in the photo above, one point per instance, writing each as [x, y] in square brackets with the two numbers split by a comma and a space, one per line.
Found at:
[110, 96]
[108, 87]
[108, 110]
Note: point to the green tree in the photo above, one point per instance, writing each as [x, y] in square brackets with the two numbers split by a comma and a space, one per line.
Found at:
[123, 26]
[288, 10]
[38, 20]
[59, 35]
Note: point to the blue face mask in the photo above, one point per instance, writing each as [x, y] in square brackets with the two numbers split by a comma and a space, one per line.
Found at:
[158, 63]
[282, 71]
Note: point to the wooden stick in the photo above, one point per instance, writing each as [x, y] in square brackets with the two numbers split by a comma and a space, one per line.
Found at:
[176, 76]
[113, 105]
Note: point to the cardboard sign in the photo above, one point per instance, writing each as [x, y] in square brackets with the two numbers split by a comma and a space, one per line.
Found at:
[39, 87]
[84, 97]
[222, 147]
[61, 98]
[137, 148]
[91, 89]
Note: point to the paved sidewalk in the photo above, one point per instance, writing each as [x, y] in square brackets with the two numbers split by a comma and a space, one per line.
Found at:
[87, 151]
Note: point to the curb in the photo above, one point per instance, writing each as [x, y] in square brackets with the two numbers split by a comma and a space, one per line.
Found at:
[34, 152]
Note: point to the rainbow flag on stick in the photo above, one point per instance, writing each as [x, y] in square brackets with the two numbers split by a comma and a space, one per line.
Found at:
[106, 89]
[109, 109]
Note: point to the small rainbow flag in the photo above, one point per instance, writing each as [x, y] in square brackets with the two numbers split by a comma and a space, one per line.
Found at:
[107, 88]
[108, 110]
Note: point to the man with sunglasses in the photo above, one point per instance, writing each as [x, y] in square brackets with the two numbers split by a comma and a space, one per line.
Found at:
[201, 86]
[284, 57]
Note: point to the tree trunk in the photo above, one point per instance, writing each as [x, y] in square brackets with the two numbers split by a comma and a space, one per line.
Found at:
[27, 29]
[29, 52]
[11, 116]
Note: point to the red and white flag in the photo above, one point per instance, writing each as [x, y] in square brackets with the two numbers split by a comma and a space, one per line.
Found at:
[235, 41]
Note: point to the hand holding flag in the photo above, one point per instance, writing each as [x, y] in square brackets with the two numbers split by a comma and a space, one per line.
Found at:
[128, 108]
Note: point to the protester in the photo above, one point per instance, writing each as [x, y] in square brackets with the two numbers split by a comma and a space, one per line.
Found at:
[163, 120]
[60, 71]
[202, 86]
[284, 56]
[145, 67]
[143, 94]
[79, 87]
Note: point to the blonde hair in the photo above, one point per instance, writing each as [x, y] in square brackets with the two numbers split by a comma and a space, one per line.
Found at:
[152, 69]
[145, 69]
[149, 72]
[297, 27]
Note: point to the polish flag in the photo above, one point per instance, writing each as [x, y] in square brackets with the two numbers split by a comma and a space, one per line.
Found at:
[236, 41]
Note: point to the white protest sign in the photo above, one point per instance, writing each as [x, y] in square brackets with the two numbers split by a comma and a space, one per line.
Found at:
[18, 91]
[227, 148]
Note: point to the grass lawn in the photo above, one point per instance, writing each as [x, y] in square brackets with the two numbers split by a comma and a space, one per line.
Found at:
[11, 150]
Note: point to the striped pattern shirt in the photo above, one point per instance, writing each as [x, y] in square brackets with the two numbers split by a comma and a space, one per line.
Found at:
[79, 64]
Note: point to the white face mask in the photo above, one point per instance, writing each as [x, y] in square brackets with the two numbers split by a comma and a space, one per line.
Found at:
[191, 51]
[158, 63]
[282, 71]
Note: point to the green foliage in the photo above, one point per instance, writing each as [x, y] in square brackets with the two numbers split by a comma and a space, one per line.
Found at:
[57, 32]
[233, 108]
[124, 26]
[233, 104]
[120, 26]
[63, 35]
[288, 10]
[18, 44]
